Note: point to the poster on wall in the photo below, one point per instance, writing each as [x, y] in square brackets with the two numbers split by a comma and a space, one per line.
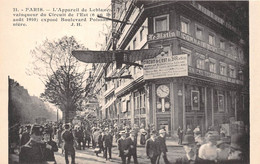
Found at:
[195, 100]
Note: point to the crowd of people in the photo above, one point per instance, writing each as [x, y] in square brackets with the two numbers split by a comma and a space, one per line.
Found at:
[39, 142]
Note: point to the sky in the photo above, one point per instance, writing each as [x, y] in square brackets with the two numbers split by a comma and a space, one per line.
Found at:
[18, 41]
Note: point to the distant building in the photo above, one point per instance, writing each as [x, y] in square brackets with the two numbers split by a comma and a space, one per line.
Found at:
[213, 89]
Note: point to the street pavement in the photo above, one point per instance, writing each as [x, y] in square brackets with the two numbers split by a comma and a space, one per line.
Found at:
[89, 157]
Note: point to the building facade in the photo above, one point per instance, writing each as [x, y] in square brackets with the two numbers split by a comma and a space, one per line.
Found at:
[214, 89]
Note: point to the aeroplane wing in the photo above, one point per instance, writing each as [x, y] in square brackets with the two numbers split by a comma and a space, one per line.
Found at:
[138, 55]
[93, 56]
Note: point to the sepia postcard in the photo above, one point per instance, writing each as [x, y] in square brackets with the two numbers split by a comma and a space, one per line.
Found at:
[129, 81]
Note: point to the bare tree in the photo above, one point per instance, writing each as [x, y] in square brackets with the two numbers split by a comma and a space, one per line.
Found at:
[62, 74]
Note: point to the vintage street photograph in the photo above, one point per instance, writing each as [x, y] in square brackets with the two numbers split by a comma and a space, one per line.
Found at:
[127, 81]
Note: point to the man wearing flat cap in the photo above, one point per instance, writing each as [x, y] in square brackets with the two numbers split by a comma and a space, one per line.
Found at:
[34, 150]
[190, 149]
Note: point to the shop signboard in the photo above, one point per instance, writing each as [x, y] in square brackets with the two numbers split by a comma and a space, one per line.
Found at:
[165, 67]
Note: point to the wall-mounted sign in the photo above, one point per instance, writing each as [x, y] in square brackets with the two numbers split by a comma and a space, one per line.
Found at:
[214, 76]
[163, 67]
[161, 35]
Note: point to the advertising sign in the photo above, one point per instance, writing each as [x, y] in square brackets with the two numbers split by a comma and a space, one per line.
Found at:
[164, 67]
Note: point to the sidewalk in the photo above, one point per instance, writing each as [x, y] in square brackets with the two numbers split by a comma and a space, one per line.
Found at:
[170, 142]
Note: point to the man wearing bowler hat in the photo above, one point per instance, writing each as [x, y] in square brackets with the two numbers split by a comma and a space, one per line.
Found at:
[163, 147]
[69, 149]
[132, 143]
[108, 143]
[190, 149]
[26, 135]
[152, 150]
[34, 150]
[239, 149]
[122, 147]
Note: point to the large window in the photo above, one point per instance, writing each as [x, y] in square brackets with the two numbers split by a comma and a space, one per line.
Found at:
[222, 44]
[161, 23]
[188, 52]
[222, 69]
[199, 32]
[232, 71]
[139, 102]
[200, 62]
[212, 65]
[185, 25]
[211, 39]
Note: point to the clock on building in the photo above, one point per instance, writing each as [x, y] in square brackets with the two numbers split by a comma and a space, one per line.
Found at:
[163, 91]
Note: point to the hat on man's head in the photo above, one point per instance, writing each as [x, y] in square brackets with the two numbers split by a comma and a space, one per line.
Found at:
[132, 131]
[37, 130]
[223, 140]
[67, 126]
[213, 137]
[162, 131]
[188, 139]
[153, 132]
[28, 127]
[122, 132]
[238, 141]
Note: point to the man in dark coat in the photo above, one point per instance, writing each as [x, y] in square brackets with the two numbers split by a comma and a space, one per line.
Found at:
[87, 137]
[68, 138]
[59, 131]
[190, 149]
[163, 147]
[122, 147]
[51, 146]
[79, 137]
[152, 151]
[34, 150]
[100, 142]
[180, 135]
[132, 143]
[25, 136]
[108, 142]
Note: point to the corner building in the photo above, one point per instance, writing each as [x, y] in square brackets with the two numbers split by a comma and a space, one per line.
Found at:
[215, 89]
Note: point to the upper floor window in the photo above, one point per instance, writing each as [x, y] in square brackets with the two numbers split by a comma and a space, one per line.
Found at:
[185, 25]
[222, 44]
[161, 23]
[232, 71]
[222, 68]
[212, 65]
[199, 32]
[188, 52]
[211, 39]
[200, 62]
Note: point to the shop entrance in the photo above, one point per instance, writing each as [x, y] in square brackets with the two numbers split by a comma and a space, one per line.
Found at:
[193, 121]
[164, 122]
